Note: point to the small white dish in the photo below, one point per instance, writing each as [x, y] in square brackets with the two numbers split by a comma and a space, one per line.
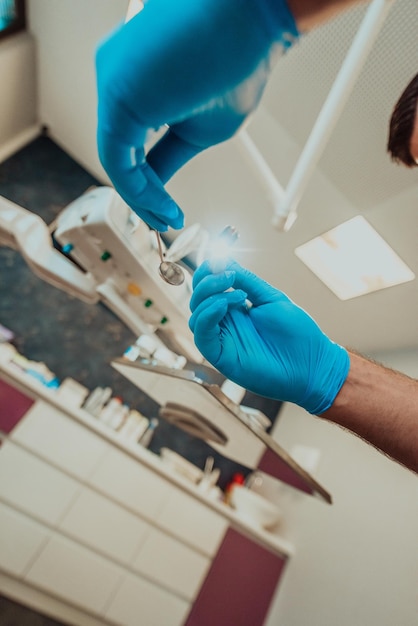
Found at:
[255, 509]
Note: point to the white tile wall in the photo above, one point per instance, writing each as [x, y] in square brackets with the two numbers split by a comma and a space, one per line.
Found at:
[106, 526]
[33, 485]
[60, 439]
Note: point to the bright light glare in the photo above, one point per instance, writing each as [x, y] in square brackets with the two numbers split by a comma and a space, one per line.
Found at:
[218, 253]
[353, 259]
[219, 249]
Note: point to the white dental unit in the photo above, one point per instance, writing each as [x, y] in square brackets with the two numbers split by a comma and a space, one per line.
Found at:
[108, 254]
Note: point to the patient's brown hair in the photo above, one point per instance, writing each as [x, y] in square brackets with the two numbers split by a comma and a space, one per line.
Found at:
[402, 124]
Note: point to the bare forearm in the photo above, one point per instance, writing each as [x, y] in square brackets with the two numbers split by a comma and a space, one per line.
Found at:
[312, 13]
[381, 406]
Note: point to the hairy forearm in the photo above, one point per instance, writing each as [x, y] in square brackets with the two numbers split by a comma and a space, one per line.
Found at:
[312, 13]
[380, 406]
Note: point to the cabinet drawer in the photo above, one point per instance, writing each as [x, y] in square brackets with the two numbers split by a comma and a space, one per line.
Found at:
[20, 540]
[75, 574]
[127, 481]
[171, 563]
[192, 522]
[105, 526]
[34, 486]
[59, 439]
[140, 603]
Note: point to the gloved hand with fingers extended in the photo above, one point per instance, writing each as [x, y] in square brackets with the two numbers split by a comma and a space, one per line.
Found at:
[197, 66]
[271, 347]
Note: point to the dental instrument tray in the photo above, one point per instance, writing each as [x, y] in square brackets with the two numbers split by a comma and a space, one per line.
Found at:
[203, 410]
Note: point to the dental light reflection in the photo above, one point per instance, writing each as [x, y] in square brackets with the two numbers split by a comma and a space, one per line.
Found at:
[218, 250]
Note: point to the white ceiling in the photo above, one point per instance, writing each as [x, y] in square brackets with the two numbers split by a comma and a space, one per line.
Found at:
[354, 175]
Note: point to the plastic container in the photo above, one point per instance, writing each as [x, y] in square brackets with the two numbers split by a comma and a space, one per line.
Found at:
[134, 426]
[109, 411]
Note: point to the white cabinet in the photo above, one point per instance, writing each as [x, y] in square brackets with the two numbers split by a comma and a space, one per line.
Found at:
[100, 548]
[75, 574]
[192, 522]
[93, 526]
[20, 540]
[33, 486]
[107, 527]
[143, 491]
[171, 563]
[60, 440]
[140, 603]
[130, 483]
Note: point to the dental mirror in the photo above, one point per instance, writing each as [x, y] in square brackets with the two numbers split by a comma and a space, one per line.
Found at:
[169, 271]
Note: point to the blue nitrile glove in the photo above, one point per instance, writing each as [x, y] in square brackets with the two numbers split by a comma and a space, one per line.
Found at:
[273, 347]
[198, 66]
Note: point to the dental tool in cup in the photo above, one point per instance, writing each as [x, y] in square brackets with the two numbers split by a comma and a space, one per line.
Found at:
[169, 271]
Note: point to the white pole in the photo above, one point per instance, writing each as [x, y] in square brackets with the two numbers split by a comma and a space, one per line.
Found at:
[285, 212]
[257, 162]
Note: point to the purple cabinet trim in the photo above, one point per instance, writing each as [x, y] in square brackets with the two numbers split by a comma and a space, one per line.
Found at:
[273, 465]
[13, 406]
[239, 586]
